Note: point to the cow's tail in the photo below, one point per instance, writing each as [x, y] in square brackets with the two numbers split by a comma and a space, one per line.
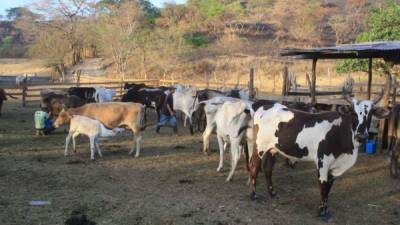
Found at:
[141, 119]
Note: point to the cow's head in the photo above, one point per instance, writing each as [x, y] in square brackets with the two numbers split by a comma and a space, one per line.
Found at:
[362, 112]
[63, 118]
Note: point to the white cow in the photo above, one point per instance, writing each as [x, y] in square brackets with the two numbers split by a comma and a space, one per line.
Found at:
[186, 101]
[91, 128]
[231, 118]
[103, 95]
[25, 78]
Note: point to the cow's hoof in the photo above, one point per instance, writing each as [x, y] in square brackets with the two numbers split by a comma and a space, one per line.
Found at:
[253, 196]
[219, 169]
[273, 194]
[324, 215]
[229, 179]
[136, 156]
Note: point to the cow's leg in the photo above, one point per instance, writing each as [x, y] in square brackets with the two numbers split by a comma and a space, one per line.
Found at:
[190, 125]
[325, 184]
[221, 152]
[255, 163]
[74, 141]
[268, 165]
[206, 139]
[92, 147]
[96, 141]
[67, 140]
[394, 157]
[137, 137]
[236, 149]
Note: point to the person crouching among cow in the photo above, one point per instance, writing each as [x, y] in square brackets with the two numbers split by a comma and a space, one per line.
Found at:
[168, 114]
[43, 123]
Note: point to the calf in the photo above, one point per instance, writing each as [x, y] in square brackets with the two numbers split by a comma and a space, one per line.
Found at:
[112, 115]
[330, 140]
[89, 127]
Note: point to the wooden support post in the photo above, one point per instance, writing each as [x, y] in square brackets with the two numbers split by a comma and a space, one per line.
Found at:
[394, 92]
[78, 78]
[285, 76]
[251, 83]
[24, 93]
[369, 78]
[382, 138]
[313, 81]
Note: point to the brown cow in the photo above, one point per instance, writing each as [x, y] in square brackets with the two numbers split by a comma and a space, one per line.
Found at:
[112, 115]
[3, 97]
[56, 101]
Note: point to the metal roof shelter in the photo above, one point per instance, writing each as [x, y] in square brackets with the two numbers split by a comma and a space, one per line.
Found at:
[387, 50]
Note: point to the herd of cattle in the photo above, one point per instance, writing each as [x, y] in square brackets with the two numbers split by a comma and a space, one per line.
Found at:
[260, 129]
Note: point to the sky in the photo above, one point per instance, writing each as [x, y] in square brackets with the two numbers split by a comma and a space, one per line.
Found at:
[6, 4]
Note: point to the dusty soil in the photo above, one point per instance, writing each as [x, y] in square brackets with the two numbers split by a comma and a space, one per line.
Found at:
[171, 183]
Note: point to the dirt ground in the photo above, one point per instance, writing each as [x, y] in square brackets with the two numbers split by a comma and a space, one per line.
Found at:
[171, 183]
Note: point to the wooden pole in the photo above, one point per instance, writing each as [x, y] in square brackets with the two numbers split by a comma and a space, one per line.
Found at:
[24, 93]
[382, 138]
[394, 88]
[313, 81]
[369, 78]
[251, 83]
[285, 76]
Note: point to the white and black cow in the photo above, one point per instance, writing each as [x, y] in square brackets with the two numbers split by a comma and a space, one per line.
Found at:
[85, 93]
[330, 140]
[151, 98]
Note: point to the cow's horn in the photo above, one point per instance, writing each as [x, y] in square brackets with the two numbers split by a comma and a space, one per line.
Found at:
[379, 97]
[347, 97]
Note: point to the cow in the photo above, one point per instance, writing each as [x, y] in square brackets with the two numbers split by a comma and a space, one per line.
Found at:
[103, 95]
[85, 93]
[211, 108]
[23, 79]
[232, 119]
[111, 115]
[329, 139]
[394, 142]
[128, 86]
[3, 97]
[151, 98]
[91, 128]
[186, 101]
[55, 102]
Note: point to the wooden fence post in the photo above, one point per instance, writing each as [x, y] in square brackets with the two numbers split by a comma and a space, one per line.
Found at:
[24, 93]
[251, 83]
[285, 75]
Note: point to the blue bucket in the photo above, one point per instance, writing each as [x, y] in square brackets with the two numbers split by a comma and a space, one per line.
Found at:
[370, 147]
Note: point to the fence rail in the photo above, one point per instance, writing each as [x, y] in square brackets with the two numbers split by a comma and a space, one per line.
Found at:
[31, 92]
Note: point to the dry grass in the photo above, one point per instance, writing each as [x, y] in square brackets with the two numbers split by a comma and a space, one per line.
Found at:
[21, 66]
[119, 189]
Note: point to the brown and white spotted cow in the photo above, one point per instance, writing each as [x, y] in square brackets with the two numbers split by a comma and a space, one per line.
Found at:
[329, 139]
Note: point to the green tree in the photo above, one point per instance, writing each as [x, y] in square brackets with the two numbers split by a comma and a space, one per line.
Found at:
[383, 24]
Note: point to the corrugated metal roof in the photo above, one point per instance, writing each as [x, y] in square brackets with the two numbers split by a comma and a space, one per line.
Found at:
[389, 50]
